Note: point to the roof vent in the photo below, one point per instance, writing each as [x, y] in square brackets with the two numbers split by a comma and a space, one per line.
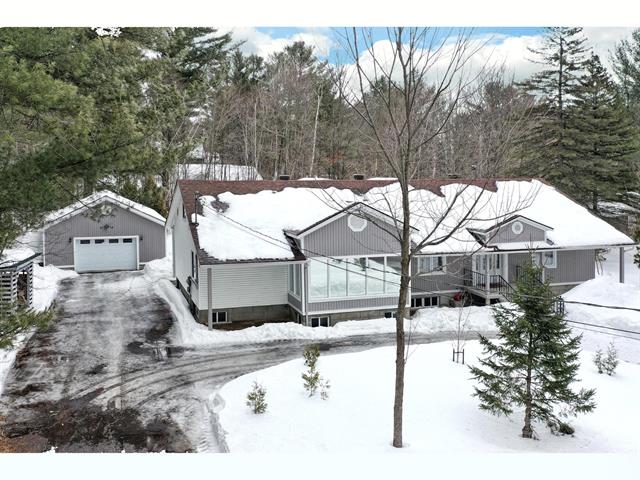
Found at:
[284, 177]
[358, 176]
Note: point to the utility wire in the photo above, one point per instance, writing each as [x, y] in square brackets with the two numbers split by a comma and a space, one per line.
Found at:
[285, 246]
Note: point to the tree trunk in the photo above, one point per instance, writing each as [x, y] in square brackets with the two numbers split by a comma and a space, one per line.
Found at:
[405, 262]
[315, 135]
[527, 431]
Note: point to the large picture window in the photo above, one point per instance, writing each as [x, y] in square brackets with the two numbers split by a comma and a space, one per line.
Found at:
[353, 277]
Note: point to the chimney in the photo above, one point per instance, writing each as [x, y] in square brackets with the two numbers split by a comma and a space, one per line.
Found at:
[358, 176]
[284, 177]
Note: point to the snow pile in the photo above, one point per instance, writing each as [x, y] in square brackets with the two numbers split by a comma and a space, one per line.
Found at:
[602, 291]
[45, 284]
[97, 198]
[251, 226]
[15, 254]
[441, 416]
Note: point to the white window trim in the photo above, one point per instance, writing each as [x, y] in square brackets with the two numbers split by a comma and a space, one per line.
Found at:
[554, 262]
[214, 316]
[422, 272]
[293, 281]
[319, 317]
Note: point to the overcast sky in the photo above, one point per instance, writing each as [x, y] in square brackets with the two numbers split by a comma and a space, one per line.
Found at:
[508, 45]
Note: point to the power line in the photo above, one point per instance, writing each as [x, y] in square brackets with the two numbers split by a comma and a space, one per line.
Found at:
[285, 246]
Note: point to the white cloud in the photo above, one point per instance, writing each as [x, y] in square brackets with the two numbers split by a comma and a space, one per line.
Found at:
[497, 49]
[263, 44]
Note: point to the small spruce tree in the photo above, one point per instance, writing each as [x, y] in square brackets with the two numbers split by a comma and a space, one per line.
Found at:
[256, 398]
[312, 379]
[598, 360]
[610, 362]
[534, 360]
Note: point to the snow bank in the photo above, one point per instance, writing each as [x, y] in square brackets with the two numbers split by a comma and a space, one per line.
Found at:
[230, 233]
[45, 284]
[441, 416]
[604, 291]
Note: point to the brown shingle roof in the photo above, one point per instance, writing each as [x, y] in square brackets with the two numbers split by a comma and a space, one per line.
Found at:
[189, 189]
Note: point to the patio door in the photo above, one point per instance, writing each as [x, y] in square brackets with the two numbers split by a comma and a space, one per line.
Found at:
[488, 264]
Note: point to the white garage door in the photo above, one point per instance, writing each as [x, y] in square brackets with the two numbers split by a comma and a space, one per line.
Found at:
[99, 254]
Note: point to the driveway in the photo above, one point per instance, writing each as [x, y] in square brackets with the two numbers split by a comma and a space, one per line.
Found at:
[110, 374]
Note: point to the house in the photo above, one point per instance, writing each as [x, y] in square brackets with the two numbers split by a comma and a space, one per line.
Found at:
[16, 278]
[101, 232]
[318, 252]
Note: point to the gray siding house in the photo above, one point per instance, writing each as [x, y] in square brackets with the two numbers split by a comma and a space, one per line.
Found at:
[102, 232]
[239, 263]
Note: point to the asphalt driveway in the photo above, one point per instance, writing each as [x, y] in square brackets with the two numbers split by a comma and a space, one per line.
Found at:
[110, 374]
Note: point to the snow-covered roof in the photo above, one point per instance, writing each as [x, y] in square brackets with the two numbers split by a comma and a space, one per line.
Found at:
[217, 171]
[246, 222]
[15, 255]
[99, 197]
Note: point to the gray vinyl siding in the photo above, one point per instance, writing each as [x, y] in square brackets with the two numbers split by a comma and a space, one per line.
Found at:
[58, 242]
[337, 239]
[516, 260]
[450, 280]
[573, 266]
[352, 304]
[505, 234]
[294, 302]
[244, 285]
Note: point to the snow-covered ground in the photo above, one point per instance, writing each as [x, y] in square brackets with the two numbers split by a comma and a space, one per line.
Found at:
[440, 415]
[611, 267]
[45, 288]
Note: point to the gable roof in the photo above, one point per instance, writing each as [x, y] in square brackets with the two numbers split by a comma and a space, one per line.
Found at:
[96, 199]
[249, 220]
[509, 220]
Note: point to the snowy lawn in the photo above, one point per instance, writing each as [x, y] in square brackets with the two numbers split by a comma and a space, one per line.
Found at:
[440, 413]
[45, 289]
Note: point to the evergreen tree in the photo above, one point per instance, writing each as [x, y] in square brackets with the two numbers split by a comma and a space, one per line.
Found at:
[549, 149]
[534, 360]
[605, 139]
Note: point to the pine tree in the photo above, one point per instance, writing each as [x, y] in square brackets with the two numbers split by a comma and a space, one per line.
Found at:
[605, 139]
[548, 150]
[534, 360]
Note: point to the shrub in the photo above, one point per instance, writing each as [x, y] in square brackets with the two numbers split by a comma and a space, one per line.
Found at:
[610, 362]
[598, 361]
[256, 398]
[312, 378]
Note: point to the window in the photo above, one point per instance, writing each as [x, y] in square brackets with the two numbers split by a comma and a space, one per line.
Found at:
[85, 242]
[517, 227]
[127, 240]
[184, 212]
[375, 276]
[337, 277]
[219, 317]
[318, 280]
[357, 277]
[550, 259]
[356, 223]
[193, 265]
[353, 277]
[319, 321]
[390, 314]
[114, 240]
[99, 241]
[295, 280]
[419, 302]
[393, 275]
[432, 265]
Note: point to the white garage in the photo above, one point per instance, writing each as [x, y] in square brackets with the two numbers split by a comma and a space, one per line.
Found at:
[102, 254]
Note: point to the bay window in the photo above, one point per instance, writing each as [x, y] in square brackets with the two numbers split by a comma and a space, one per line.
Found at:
[353, 277]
